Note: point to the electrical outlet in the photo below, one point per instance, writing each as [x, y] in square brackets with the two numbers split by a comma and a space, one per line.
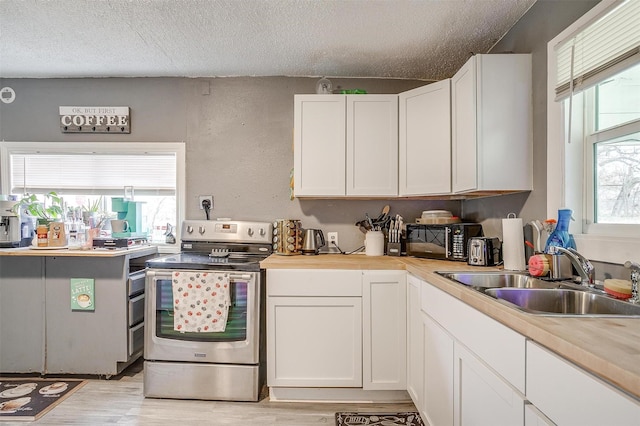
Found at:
[332, 238]
[202, 199]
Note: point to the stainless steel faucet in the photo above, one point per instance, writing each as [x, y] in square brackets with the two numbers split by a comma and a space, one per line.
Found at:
[585, 268]
[635, 274]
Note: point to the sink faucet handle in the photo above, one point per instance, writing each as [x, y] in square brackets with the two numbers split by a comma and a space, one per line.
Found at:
[635, 275]
[632, 265]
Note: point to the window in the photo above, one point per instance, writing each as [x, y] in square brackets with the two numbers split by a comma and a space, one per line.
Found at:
[612, 145]
[94, 173]
[593, 124]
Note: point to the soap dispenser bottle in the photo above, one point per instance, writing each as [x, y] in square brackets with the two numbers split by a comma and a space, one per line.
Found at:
[560, 236]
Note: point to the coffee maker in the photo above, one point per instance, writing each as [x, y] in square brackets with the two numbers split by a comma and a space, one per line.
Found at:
[131, 211]
[10, 234]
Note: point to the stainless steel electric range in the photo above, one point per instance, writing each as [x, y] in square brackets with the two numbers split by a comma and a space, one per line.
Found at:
[205, 332]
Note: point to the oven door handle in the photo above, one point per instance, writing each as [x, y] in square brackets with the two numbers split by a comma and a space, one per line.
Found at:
[236, 277]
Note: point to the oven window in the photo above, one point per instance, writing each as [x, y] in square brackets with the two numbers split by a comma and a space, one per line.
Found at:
[236, 329]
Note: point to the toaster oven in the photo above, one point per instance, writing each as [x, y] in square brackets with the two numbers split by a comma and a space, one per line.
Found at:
[446, 241]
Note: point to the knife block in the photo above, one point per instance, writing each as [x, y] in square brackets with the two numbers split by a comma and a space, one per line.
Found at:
[396, 249]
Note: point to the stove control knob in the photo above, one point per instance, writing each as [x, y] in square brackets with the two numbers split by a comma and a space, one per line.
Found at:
[250, 232]
[262, 232]
[190, 229]
[201, 230]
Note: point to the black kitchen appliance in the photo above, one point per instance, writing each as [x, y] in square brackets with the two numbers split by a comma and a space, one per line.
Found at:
[441, 241]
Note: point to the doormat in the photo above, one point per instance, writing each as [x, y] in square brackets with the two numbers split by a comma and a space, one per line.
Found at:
[379, 419]
[30, 399]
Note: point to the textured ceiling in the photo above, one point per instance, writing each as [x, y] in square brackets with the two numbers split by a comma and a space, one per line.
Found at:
[413, 39]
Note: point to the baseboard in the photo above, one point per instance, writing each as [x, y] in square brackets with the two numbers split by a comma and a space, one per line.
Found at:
[352, 395]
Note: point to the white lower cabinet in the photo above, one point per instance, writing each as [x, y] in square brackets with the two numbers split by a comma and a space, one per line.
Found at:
[384, 295]
[438, 373]
[336, 329]
[415, 346]
[568, 395]
[472, 366]
[481, 396]
[316, 341]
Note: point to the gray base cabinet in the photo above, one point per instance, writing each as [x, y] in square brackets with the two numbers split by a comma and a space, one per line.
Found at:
[21, 315]
[41, 333]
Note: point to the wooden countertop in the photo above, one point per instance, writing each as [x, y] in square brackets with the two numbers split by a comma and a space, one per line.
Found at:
[608, 348]
[26, 251]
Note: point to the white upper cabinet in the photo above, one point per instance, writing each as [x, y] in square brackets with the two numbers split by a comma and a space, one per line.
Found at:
[319, 145]
[346, 145]
[491, 116]
[425, 140]
[372, 145]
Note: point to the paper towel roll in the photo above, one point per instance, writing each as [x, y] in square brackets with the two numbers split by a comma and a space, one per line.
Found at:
[513, 244]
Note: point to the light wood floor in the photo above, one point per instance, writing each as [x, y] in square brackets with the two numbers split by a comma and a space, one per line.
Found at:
[119, 401]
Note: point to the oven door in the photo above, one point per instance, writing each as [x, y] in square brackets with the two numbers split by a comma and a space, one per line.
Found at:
[238, 344]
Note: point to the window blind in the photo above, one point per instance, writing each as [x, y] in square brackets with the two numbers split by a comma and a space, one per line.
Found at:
[88, 173]
[599, 50]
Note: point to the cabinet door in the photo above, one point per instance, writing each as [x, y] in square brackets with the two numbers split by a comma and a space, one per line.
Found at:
[570, 396]
[438, 373]
[384, 298]
[372, 145]
[481, 396]
[319, 145]
[22, 314]
[464, 128]
[73, 336]
[415, 346]
[425, 140]
[314, 341]
[504, 127]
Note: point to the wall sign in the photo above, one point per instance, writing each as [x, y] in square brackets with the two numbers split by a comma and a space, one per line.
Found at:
[74, 119]
[82, 294]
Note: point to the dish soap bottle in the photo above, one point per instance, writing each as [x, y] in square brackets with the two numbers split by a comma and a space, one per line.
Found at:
[560, 236]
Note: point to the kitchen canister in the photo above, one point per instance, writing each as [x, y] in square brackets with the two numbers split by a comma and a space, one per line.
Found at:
[374, 243]
[513, 243]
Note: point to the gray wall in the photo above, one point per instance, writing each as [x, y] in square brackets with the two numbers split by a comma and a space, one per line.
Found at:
[545, 20]
[239, 133]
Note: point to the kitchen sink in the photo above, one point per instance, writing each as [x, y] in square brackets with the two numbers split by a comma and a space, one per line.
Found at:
[539, 297]
[498, 279]
[564, 302]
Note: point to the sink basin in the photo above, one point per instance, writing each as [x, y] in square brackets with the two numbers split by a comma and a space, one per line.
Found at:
[535, 296]
[498, 279]
[564, 302]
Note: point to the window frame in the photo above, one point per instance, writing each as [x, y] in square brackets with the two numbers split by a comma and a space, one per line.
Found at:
[178, 148]
[566, 163]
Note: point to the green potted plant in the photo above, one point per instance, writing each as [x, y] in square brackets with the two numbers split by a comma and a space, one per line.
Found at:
[92, 214]
[45, 212]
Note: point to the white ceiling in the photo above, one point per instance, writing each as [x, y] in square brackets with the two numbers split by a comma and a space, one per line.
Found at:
[412, 39]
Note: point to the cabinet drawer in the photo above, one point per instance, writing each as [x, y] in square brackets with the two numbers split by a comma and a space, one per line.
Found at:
[136, 338]
[135, 283]
[314, 282]
[136, 310]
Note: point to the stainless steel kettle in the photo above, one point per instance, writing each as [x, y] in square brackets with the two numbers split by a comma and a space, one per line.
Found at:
[313, 240]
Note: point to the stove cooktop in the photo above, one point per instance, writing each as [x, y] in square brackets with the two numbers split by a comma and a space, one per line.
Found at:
[202, 261]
